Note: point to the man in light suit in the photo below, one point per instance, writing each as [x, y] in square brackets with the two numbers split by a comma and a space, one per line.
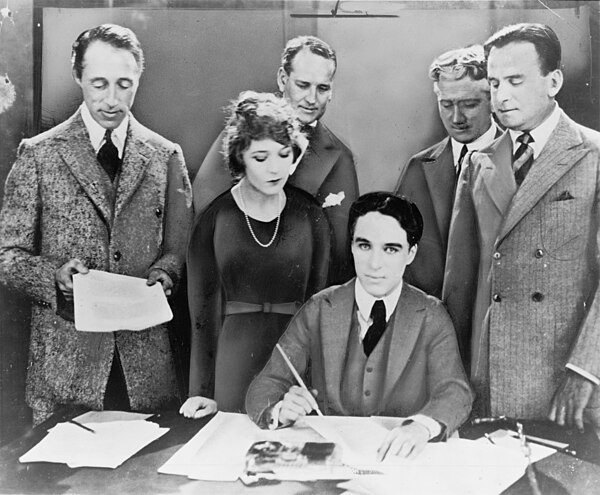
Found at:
[524, 244]
[326, 169]
[99, 191]
[463, 94]
[373, 346]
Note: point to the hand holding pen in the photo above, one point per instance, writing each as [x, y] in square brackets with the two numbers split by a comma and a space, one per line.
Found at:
[298, 401]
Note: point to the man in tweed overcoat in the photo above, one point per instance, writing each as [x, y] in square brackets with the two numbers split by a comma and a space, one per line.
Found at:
[63, 214]
[527, 254]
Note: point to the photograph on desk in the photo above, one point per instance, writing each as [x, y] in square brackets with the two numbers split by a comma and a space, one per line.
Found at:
[300, 246]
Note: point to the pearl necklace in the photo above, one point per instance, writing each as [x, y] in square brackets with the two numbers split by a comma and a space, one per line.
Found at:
[250, 226]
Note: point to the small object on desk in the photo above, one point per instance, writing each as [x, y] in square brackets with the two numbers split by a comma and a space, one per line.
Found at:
[72, 421]
[491, 419]
[295, 373]
[530, 471]
[488, 436]
[548, 443]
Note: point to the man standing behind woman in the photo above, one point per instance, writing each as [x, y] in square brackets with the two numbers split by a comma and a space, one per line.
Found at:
[256, 253]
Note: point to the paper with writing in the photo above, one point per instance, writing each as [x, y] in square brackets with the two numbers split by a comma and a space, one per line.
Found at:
[105, 302]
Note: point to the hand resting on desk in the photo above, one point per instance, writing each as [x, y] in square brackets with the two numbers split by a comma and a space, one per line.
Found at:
[197, 407]
[404, 441]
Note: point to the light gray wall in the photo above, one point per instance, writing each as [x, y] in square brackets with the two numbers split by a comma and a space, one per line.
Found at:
[383, 106]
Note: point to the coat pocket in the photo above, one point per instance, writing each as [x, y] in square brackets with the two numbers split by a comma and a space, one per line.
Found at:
[563, 229]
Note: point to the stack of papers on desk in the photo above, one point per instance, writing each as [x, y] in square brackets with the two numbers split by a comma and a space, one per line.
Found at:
[218, 451]
[115, 438]
[458, 466]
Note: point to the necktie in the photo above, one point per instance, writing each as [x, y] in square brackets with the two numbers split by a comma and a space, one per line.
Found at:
[108, 156]
[376, 329]
[523, 158]
[308, 130]
[464, 150]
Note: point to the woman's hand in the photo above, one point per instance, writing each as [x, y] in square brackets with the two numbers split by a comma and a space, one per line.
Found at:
[198, 407]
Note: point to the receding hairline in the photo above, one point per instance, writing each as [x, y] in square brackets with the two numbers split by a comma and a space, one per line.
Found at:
[308, 51]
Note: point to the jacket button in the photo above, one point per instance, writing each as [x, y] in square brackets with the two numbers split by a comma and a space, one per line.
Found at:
[539, 253]
[158, 212]
[367, 393]
[497, 297]
[497, 255]
[369, 369]
[537, 297]
[117, 255]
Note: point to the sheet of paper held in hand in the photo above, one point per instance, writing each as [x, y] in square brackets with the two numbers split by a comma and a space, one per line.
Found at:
[106, 302]
[110, 439]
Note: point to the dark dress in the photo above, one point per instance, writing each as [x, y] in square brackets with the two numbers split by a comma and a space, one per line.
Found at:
[225, 264]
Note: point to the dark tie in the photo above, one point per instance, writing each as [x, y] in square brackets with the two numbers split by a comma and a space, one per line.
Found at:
[523, 158]
[308, 130]
[376, 329]
[464, 150]
[108, 156]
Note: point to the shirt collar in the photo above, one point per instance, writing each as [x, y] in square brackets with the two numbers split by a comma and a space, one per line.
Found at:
[96, 131]
[365, 301]
[481, 142]
[540, 134]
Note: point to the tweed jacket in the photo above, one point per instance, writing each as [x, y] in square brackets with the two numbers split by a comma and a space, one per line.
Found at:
[522, 269]
[326, 167]
[56, 207]
[424, 373]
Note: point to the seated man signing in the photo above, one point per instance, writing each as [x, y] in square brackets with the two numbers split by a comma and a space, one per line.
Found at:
[373, 346]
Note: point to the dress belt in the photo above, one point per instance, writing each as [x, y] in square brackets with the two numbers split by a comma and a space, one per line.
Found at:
[238, 307]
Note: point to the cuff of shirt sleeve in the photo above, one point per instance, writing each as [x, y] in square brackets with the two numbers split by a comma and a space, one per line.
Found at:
[432, 426]
[583, 373]
[274, 421]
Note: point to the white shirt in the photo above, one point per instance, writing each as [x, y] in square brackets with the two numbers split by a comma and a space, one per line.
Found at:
[96, 131]
[540, 134]
[481, 142]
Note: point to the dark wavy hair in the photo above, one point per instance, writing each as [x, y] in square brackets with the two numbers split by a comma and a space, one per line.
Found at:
[314, 44]
[117, 36]
[255, 116]
[461, 62]
[404, 211]
[543, 38]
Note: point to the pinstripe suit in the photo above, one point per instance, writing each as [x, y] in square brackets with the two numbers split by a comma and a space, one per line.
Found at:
[522, 269]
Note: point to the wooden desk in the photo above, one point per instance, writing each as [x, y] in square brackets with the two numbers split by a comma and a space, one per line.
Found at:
[139, 474]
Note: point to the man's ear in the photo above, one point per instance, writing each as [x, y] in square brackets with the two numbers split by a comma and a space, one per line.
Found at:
[76, 79]
[282, 78]
[412, 252]
[555, 82]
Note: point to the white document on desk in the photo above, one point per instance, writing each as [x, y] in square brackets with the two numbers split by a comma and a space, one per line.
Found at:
[457, 467]
[218, 451]
[105, 302]
[359, 437]
[109, 445]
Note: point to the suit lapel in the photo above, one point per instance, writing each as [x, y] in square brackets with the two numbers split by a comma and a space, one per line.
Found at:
[408, 319]
[317, 162]
[496, 173]
[76, 150]
[439, 172]
[137, 154]
[562, 151]
[335, 335]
